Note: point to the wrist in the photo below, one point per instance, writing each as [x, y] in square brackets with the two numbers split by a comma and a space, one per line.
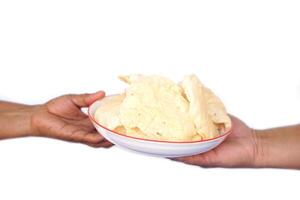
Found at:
[261, 149]
[279, 147]
[24, 117]
[34, 122]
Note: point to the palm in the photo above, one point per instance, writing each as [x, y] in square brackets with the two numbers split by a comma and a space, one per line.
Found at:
[62, 118]
[239, 149]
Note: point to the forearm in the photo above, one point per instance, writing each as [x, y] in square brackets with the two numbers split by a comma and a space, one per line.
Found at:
[279, 147]
[15, 122]
[5, 106]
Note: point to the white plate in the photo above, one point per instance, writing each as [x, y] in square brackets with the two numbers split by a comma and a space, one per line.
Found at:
[155, 147]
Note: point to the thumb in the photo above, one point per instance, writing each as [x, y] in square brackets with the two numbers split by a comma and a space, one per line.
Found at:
[84, 100]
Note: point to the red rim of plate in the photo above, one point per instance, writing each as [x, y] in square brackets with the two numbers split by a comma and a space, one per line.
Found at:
[150, 140]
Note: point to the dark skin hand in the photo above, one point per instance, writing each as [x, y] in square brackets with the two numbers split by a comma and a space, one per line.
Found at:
[247, 147]
[60, 118]
[238, 150]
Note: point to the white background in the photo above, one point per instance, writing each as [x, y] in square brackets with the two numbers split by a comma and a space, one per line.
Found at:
[248, 52]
